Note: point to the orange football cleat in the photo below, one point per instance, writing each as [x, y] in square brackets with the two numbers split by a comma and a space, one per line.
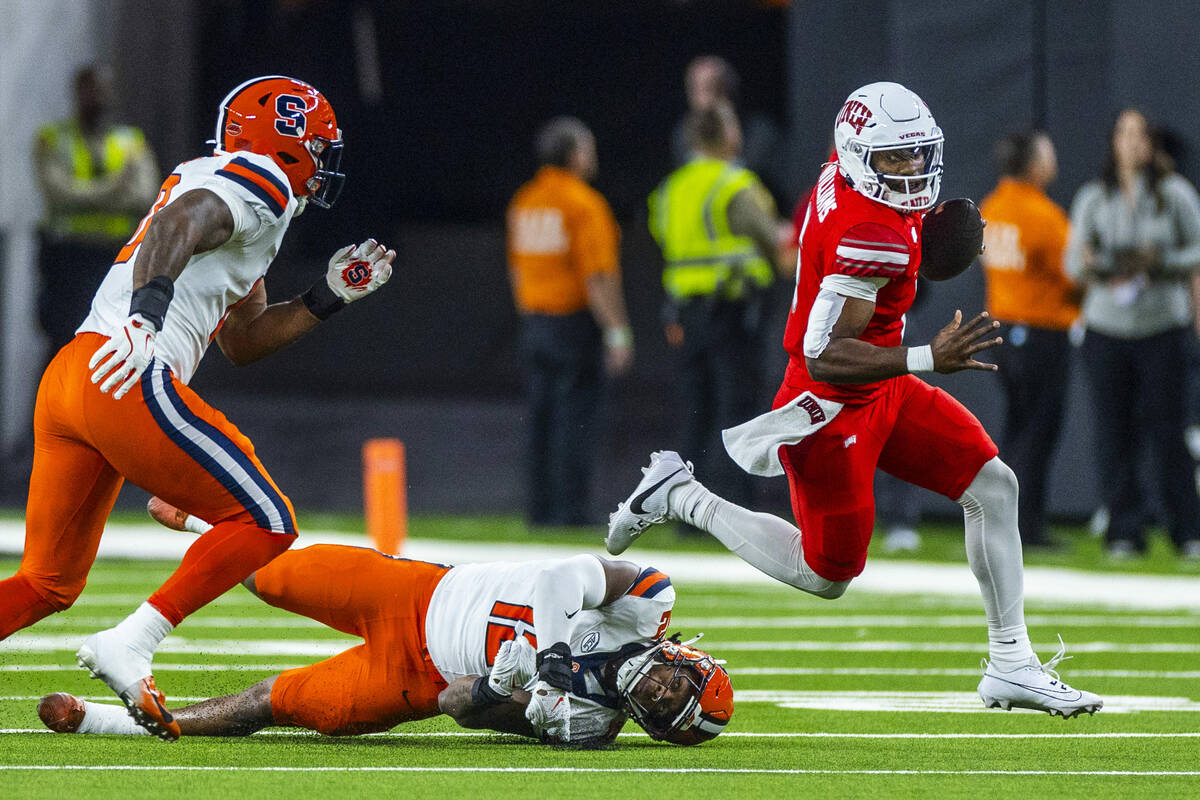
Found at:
[148, 707]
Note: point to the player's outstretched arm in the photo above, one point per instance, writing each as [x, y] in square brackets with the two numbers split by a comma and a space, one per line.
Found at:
[460, 701]
[850, 360]
[255, 329]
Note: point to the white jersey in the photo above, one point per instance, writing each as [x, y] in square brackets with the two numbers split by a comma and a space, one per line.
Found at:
[261, 202]
[475, 607]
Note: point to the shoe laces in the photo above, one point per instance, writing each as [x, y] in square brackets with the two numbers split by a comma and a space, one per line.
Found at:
[1050, 666]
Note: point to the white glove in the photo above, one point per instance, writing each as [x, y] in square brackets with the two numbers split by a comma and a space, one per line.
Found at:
[549, 711]
[356, 271]
[128, 351]
[516, 662]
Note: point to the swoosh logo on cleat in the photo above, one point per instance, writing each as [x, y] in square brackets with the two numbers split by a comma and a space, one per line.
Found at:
[166, 715]
[636, 505]
[1057, 694]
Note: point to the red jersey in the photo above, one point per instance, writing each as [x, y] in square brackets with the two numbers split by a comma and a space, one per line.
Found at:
[846, 233]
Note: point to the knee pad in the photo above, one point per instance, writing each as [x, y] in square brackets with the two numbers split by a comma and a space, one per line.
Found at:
[995, 486]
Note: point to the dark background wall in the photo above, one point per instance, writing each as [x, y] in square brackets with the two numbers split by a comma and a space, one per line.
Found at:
[439, 102]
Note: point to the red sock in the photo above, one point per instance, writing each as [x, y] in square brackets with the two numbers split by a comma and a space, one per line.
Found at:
[20, 605]
[213, 565]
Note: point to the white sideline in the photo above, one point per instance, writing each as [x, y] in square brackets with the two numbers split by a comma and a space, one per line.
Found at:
[609, 770]
[725, 735]
[53, 642]
[881, 577]
[325, 647]
[898, 701]
[748, 671]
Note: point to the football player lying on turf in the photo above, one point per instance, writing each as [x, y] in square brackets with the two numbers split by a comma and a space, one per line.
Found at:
[564, 650]
[850, 402]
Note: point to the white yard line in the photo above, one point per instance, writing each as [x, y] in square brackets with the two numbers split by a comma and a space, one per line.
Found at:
[726, 735]
[841, 622]
[603, 770]
[949, 673]
[895, 701]
[160, 667]
[747, 671]
[881, 577]
[50, 643]
[943, 647]
[844, 621]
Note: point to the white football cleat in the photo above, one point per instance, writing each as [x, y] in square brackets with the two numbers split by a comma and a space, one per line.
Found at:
[126, 670]
[1036, 686]
[648, 504]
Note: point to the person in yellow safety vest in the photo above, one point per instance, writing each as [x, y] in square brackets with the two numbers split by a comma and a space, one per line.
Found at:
[717, 228]
[97, 179]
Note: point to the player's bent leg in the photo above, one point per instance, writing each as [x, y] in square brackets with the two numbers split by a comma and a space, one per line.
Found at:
[668, 490]
[166, 439]
[355, 692]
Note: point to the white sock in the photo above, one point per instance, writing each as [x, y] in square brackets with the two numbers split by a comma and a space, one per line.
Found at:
[107, 718]
[144, 629]
[763, 541]
[994, 554]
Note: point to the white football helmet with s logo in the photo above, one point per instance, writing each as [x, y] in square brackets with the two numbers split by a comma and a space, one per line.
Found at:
[887, 116]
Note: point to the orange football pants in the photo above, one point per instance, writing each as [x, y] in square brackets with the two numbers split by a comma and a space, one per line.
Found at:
[168, 441]
[377, 685]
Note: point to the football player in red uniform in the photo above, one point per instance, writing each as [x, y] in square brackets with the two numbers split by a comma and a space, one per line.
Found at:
[850, 402]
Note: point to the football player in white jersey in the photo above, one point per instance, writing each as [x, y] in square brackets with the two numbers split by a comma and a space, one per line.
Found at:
[114, 403]
[564, 650]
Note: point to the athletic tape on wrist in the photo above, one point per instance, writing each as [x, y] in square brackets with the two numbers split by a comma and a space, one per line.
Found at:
[151, 300]
[920, 359]
[554, 666]
[482, 693]
[321, 301]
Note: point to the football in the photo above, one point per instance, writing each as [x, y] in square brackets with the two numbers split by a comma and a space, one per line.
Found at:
[951, 237]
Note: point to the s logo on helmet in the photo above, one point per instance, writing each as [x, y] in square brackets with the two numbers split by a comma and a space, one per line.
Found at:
[855, 114]
[290, 111]
[357, 274]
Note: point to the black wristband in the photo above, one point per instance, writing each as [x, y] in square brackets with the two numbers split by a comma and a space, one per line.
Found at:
[554, 666]
[151, 300]
[482, 693]
[321, 301]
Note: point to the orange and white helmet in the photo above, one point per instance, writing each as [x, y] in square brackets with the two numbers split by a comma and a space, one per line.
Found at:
[887, 116]
[292, 123]
[676, 692]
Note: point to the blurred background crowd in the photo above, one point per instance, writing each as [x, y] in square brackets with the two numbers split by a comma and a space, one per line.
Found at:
[531, 362]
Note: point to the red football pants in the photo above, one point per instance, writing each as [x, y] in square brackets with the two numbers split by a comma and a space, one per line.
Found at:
[914, 431]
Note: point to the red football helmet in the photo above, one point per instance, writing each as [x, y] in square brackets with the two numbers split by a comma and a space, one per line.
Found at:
[676, 692]
[292, 123]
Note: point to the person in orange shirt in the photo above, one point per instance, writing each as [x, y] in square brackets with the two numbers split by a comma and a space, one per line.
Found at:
[1029, 293]
[564, 265]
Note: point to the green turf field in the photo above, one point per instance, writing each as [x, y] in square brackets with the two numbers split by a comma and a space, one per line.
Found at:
[829, 699]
